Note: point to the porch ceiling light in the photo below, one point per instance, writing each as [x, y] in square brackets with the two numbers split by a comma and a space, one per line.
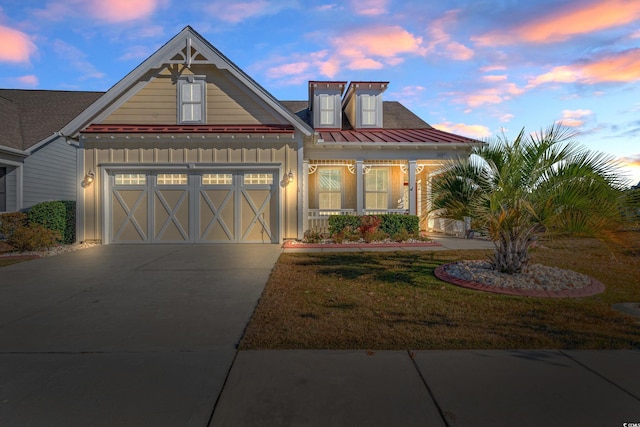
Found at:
[88, 179]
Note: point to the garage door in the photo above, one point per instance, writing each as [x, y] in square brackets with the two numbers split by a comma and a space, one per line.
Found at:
[204, 207]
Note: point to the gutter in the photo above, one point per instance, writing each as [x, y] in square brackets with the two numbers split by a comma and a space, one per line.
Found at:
[14, 151]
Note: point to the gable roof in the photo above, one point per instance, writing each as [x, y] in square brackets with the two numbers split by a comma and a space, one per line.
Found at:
[30, 116]
[171, 52]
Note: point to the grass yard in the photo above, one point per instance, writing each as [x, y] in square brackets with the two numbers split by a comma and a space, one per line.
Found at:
[393, 301]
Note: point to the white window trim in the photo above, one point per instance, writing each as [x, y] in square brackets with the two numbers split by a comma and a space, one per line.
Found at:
[376, 110]
[341, 191]
[203, 98]
[387, 191]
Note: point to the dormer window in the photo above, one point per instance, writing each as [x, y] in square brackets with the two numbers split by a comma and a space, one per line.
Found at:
[192, 100]
[327, 110]
[363, 104]
[368, 107]
[324, 101]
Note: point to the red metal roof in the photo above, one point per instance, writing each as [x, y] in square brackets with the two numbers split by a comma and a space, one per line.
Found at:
[189, 129]
[391, 136]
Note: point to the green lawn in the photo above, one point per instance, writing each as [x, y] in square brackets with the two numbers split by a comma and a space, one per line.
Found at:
[392, 301]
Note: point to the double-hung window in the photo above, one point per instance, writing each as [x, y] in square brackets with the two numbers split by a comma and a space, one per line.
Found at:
[191, 100]
[329, 189]
[327, 110]
[368, 105]
[376, 183]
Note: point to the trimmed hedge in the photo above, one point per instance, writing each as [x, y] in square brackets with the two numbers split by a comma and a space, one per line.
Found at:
[338, 223]
[57, 216]
[390, 224]
[393, 224]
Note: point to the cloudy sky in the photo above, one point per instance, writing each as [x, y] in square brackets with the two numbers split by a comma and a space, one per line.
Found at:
[475, 68]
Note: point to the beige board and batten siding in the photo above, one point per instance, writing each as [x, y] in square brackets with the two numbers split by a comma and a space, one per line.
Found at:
[227, 103]
[142, 154]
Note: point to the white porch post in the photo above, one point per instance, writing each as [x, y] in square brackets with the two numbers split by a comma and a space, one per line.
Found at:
[412, 188]
[304, 199]
[359, 187]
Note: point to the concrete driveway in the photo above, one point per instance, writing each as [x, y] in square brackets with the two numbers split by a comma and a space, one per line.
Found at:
[125, 335]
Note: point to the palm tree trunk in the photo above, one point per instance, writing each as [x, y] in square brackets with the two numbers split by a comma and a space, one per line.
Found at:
[511, 253]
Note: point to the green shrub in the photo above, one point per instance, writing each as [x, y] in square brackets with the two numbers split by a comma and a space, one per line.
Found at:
[338, 223]
[33, 237]
[393, 224]
[58, 216]
[69, 235]
[10, 222]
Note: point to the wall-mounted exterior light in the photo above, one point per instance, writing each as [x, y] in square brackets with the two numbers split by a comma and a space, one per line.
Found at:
[88, 179]
[289, 177]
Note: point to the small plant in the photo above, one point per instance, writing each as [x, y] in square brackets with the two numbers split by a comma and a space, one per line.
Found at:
[33, 237]
[312, 236]
[10, 222]
[402, 236]
[348, 234]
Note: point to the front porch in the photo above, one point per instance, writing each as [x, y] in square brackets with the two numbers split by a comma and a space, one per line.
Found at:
[366, 187]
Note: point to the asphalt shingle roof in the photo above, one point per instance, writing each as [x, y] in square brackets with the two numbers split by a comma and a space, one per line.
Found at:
[29, 116]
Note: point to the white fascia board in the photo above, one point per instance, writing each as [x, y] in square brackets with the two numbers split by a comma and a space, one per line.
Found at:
[161, 57]
[13, 151]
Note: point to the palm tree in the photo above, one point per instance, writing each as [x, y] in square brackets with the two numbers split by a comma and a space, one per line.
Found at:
[539, 183]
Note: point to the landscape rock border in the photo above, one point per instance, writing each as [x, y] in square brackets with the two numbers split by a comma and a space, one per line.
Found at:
[595, 287]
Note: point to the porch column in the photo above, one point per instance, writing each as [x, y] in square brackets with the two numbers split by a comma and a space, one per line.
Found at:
[412, 188]
[304, 224]
[359, 187]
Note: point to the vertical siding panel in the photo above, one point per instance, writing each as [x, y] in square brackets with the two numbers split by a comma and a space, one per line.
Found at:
[350, 193]
[397, 185]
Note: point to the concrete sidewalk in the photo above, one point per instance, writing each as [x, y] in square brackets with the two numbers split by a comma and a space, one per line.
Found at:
[431, 388]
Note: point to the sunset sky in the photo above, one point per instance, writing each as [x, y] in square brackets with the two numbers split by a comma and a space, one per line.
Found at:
[474, 68]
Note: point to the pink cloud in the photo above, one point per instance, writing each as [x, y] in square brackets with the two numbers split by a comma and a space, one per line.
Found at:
[620, 67]
[493, 95]
[382, 41]
[578, 17]
[16, 46]
[365, 64]
[112, 11]
[472, 131]
[575, 118]
[294, 68]
[369, 48]
[441, 42]
[122, 10]
[494, 78]
[370, 7]
[506, 118]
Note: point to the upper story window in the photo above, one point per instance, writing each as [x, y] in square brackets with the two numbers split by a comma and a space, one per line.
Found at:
[192, 100]
[327, 110]
[368, 104]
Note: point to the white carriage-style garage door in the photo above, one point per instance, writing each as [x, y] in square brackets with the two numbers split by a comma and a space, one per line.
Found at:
[197, 207]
